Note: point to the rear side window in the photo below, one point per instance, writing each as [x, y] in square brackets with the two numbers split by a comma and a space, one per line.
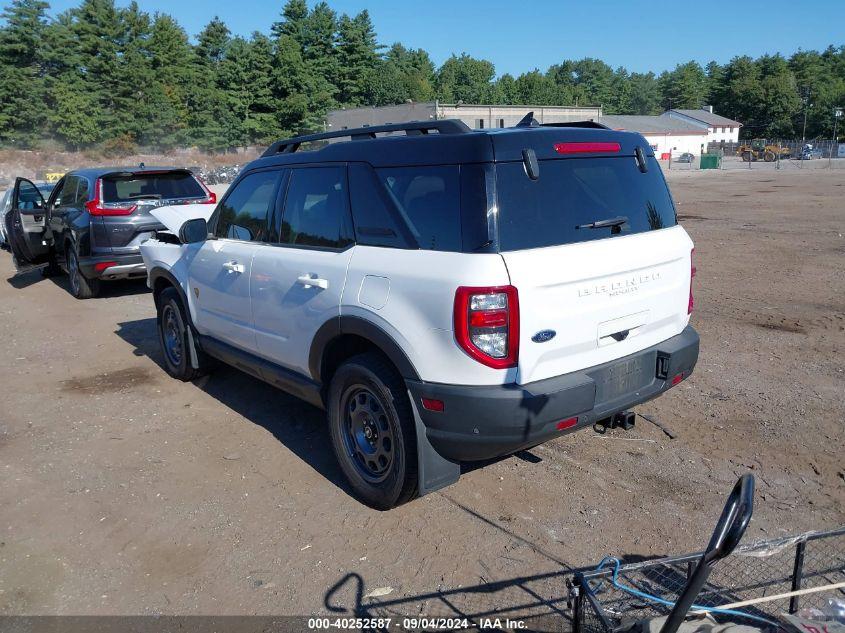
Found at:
[375, 223]
[572, 193]
[243, 214]
[164, 186]
[82, 191]
[67, 195]
[317, 209]
[429, 200]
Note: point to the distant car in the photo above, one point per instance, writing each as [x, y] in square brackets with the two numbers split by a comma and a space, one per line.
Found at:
[809, 153]
[686, 157]
[6, 203]
[93, 222]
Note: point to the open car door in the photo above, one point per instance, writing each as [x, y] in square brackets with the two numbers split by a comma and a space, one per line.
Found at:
[26, 223]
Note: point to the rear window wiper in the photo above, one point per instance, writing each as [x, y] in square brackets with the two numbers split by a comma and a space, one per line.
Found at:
[603, 224]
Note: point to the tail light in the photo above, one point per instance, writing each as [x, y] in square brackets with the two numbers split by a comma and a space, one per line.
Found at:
[210, 196]
[99, 208]
[487, 324]
[691, 277]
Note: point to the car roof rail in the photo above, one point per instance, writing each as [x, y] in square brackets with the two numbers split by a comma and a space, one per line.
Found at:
[411, 128]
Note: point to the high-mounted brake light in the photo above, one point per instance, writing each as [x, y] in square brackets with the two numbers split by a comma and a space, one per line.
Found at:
[586, 147]
[691, 277]
[99, 208]
[487, 324]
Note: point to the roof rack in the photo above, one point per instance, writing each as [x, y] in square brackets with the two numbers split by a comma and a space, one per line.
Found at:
[411, 128]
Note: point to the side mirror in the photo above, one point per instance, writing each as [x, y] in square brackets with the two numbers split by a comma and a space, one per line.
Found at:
[193, 231]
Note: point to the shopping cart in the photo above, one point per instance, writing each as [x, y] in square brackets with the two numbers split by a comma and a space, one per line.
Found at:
[751, 584]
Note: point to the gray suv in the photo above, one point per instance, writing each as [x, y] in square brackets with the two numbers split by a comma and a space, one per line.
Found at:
[94, 221]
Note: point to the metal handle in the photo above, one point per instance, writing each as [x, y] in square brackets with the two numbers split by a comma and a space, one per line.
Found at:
[308, 282]
[729, 530]
[234, 267]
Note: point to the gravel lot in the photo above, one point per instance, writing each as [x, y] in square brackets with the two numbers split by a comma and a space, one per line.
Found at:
[126, 492]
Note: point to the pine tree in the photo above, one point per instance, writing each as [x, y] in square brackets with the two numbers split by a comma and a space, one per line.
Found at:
[171, 58]
[685, 87]
[212, 122]
[417, 71]
[357, 55]
[22, 85]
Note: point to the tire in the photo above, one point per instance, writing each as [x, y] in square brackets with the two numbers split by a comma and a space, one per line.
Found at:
[80, 286]
[172, 325]
[746, 157]
[769, 157]
[372, 431]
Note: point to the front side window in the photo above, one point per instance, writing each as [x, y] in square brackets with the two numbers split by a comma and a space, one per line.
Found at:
[243, 214]
[317, 209]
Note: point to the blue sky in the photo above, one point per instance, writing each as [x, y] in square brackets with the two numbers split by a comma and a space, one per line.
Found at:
[520, 36]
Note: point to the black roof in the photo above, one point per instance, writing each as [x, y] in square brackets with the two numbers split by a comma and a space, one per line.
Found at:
[453, 143]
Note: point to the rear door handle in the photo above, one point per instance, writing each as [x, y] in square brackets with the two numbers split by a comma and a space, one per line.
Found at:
[234, 267]
[312, 282]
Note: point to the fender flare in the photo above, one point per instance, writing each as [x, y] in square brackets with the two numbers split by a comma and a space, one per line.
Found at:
[347, 324]
[162, 273]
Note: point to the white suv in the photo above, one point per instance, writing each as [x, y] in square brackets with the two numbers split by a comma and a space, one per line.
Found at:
[445, 294]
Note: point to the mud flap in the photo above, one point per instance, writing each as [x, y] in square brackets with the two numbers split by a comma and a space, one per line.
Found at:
[434, 470]
[195, 363]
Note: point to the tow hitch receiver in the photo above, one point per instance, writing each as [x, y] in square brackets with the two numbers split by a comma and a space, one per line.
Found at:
[624, 420]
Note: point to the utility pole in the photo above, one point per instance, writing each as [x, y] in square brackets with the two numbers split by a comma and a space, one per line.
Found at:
[837, 114]
[806, 94]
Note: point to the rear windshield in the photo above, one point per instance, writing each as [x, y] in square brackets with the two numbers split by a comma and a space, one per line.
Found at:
[166, 186]
[573, 193]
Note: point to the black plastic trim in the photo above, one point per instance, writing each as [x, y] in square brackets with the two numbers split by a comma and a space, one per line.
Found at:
[482, 422]
[285, 379]
[347, 324]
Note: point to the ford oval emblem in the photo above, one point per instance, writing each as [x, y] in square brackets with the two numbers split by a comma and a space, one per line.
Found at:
[543, 335]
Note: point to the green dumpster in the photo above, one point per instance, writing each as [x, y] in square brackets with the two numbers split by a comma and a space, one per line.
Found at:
[710, 161]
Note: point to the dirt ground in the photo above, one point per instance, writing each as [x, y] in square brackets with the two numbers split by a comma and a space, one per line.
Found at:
[126, 492]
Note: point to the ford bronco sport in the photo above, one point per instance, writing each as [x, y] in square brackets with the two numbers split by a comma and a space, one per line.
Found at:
[447, 295]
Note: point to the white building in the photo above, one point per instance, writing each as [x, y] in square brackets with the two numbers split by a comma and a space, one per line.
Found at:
[719, 128]
[667, 136]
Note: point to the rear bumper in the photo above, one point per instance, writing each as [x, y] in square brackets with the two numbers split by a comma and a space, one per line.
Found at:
[121, 266]
[481, 422]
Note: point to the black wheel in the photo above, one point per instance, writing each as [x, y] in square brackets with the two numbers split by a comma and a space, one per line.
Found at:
[173, 337]
[372, 431]
[80, 286]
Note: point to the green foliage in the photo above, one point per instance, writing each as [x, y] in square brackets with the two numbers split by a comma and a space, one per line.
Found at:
[116, 78]
[465, 79]
[21, 68]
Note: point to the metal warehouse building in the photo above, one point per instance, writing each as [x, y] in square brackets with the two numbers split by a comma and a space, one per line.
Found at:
[672, 133]
[475, 116]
